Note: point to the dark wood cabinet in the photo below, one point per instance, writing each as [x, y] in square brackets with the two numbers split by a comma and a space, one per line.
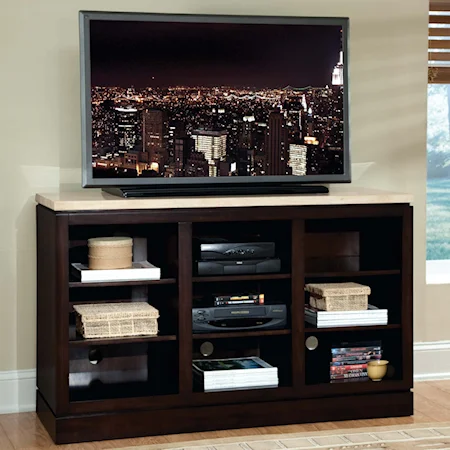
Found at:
[92, 389]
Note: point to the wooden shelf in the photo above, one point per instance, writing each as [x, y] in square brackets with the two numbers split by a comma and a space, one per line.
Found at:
[81, 342]
[238, 334]
[251, 395]
[79, 284]
[310, 329]
[268, 276]
[354, 387]
[360, 273]
[118, 393]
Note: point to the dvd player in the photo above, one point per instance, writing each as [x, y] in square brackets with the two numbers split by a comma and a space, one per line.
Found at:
[272, 265]
[267, 317]
[234, 250]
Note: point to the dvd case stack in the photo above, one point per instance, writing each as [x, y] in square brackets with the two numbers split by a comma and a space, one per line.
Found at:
[235, 373]
[349, 361]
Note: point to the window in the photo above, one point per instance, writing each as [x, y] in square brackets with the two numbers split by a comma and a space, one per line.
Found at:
[438, 144]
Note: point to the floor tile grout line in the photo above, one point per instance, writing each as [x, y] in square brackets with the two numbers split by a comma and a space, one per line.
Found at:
[436, 432]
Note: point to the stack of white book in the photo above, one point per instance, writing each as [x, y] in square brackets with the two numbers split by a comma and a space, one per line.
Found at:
[328, 319]
[234, 373]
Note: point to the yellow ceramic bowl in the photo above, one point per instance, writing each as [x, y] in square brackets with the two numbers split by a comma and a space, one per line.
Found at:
[377, 369]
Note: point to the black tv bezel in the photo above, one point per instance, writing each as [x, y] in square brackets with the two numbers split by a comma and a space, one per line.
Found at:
[85, 17]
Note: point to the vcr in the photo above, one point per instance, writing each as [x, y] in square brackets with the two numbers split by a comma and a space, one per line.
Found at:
[267, 317]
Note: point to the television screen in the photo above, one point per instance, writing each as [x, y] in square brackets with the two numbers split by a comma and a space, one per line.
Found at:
[213, 99]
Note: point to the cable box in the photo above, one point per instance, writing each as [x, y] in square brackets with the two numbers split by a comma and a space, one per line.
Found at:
[213, 251]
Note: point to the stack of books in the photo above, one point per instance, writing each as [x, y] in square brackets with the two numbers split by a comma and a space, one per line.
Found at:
[349, 361]
[329, 319]
[235, 373]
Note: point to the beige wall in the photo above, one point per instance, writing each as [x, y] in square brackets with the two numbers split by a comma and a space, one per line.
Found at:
[435, 317]
[40, 123]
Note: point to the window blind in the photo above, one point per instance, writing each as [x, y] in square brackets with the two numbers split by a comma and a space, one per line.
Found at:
[439, 42]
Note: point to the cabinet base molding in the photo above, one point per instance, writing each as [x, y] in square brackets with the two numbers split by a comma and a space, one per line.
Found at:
[126, 424]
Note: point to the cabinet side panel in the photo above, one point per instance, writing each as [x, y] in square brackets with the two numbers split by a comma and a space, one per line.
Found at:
[46, 306]
[298, 303]
[407, 295]
[52, 320]
[62, 309]
[185, 306]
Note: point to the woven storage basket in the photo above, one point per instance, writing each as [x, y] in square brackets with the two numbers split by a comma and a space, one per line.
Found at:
[110, 253]
[116, 320]
[338, 296]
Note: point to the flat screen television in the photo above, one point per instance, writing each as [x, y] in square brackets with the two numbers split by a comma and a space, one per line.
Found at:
[211, 104]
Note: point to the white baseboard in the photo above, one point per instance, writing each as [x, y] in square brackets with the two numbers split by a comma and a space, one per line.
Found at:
[432, 361]
[17, 391]
[438, 271]
[18, 387]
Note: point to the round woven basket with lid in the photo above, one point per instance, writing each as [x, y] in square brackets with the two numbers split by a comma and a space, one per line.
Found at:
[115, 252]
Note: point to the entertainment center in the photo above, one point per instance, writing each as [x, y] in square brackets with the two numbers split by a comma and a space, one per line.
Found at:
[215, 282]
[116, 387]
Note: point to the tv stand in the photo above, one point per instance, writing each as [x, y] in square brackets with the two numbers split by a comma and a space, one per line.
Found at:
[208, 190]
[144, 385]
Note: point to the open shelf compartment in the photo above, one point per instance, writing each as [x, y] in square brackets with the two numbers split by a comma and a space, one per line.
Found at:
[108, 371]
[317, 361]
[155, 243]
[356, 245]
[265, 346]
[239, 233]
[386, 293]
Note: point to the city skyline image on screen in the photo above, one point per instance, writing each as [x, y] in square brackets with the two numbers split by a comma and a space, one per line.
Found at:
[173, 99]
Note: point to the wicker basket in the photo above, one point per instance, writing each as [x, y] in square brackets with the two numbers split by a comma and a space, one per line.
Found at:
[116, 320]
[110, 253]
[338, 296]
